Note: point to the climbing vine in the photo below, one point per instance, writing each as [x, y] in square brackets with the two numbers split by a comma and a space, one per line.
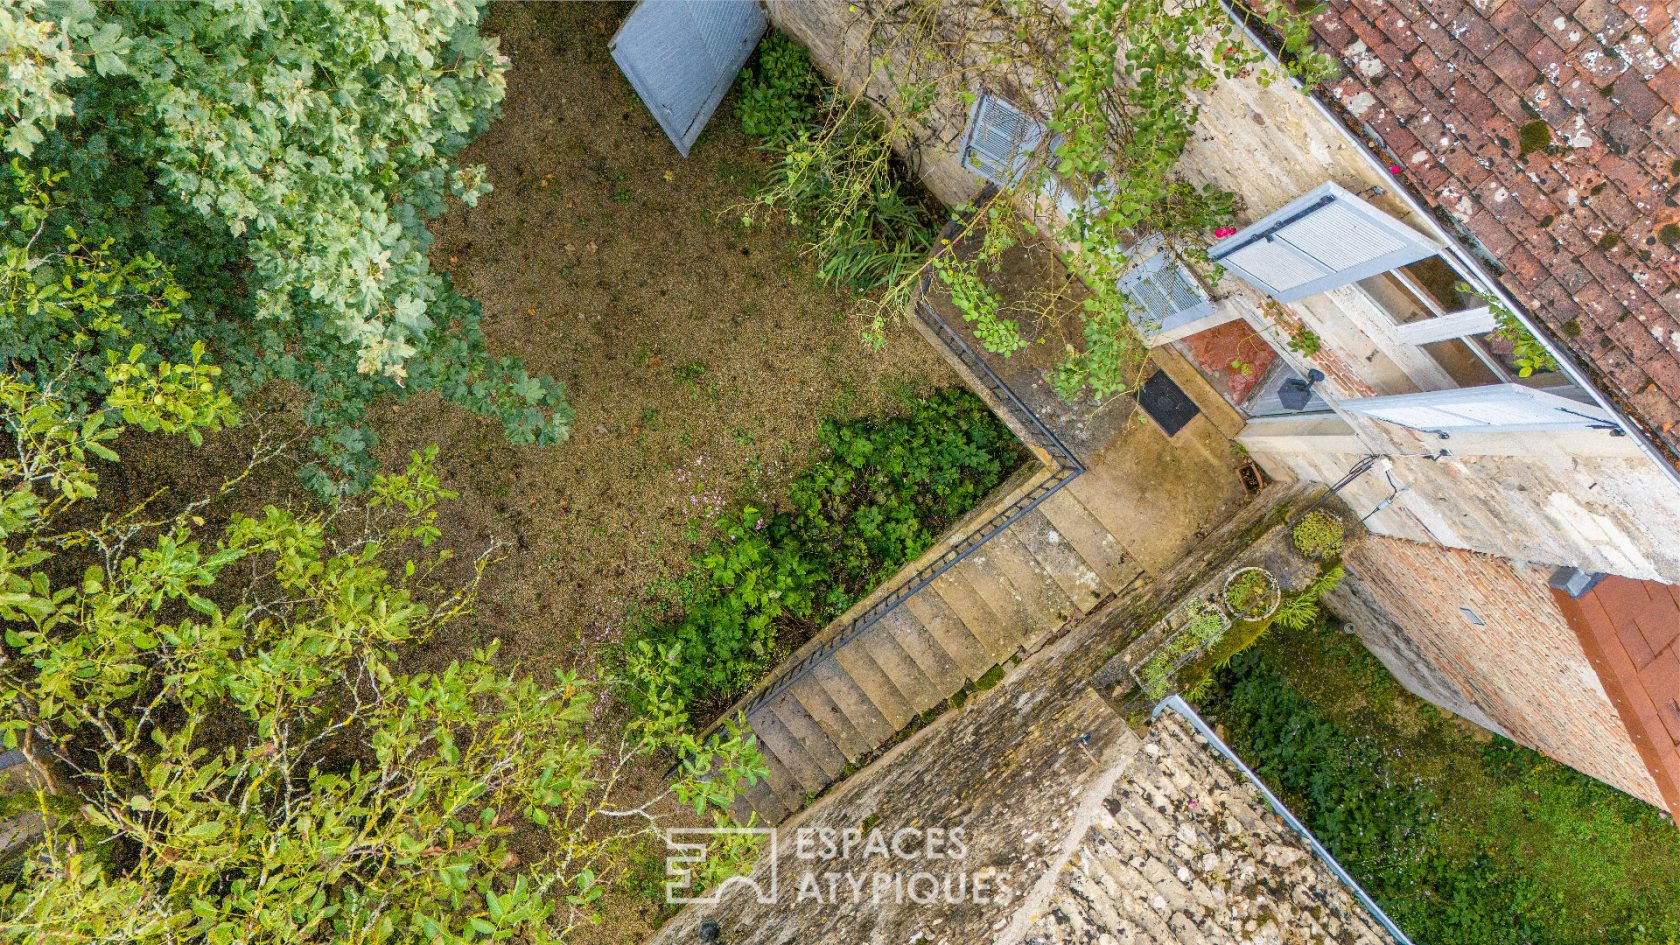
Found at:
[1119, 115]
[1527, 353]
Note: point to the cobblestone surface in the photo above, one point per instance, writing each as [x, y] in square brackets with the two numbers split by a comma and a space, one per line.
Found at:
[1186, 850]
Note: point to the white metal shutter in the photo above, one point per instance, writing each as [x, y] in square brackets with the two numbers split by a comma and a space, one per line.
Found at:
[1319, 241]
[1474, 321]
[1497, 408]
[999, 140]
[681, 56]
[1164, 294]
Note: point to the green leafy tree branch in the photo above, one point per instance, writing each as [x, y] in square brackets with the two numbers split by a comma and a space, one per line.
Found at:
[283, 160]
[226, 748]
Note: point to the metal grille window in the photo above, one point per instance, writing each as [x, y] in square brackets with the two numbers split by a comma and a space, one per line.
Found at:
[1325, 239]
[1164, 294]
[999, 140]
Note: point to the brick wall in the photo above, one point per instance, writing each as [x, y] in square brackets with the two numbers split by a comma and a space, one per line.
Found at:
[1520, 671]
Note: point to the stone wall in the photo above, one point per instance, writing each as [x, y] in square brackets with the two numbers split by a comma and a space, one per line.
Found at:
[1183, 850]
[1038, 773]
[1511, 663]
[1556, 498]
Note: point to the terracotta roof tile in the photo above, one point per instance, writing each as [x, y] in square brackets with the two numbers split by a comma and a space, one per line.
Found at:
[1573, 226]
[1629, 630]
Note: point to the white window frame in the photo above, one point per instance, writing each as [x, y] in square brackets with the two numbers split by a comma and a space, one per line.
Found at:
[1146, 273]
[1271, 229]
[977, 157]
[1474, 321]
[1457, 407]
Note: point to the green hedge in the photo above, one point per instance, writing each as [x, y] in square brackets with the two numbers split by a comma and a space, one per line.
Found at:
[878, 493]
[1463, 837]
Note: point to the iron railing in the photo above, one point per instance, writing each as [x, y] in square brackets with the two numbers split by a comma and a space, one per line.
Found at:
[1064, 466]
[1178, 705]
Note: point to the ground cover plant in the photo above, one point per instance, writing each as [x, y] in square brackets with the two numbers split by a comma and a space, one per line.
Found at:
[1463, 837]
[877, 495]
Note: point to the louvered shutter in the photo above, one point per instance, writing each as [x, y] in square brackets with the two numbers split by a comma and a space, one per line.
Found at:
[1496, 408]
[1164, 294]
[999, 140]
[681, 56]
[1322, 240]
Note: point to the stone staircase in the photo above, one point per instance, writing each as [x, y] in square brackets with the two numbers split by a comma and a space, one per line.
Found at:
[1048, 567]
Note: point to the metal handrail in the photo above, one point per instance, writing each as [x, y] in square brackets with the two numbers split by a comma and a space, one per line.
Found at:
[1064, 465]
[1177, 705]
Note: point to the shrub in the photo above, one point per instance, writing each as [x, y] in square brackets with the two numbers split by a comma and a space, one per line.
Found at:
[1319, 535]
[834, 174]
[229, 747]
[281, 162]
[778, 92]
[879, 494]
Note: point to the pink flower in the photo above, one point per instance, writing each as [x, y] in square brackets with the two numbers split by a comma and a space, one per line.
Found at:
[1394, 168]
[759, 526]
[1223, 232]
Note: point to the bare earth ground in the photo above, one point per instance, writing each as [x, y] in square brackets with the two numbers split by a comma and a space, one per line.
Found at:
[699, 355]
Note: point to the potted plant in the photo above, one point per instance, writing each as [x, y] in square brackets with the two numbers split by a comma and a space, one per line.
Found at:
[1318, 535]
[1195, 627]
[1203, 622]
[1252, 593]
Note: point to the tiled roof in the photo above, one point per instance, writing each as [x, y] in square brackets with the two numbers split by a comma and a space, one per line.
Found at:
[1631, 632]
[1547, 131]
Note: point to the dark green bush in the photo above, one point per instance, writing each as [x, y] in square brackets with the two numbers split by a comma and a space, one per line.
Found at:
[1464, 838]
[778, 90]
[879, 492]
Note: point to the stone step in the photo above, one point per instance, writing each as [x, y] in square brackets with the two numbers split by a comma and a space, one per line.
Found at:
[1094, 492]
[1064, 565]
[1095, 544]
[901, 668]
[954, 638]
[760, 799]
[800, 774]
[790, 794]
[984, 623]
[859, 709]
[860, 667]
[811, 736]
[1050, 605]
[822, 708]
[936, 664]
[1020, 622]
